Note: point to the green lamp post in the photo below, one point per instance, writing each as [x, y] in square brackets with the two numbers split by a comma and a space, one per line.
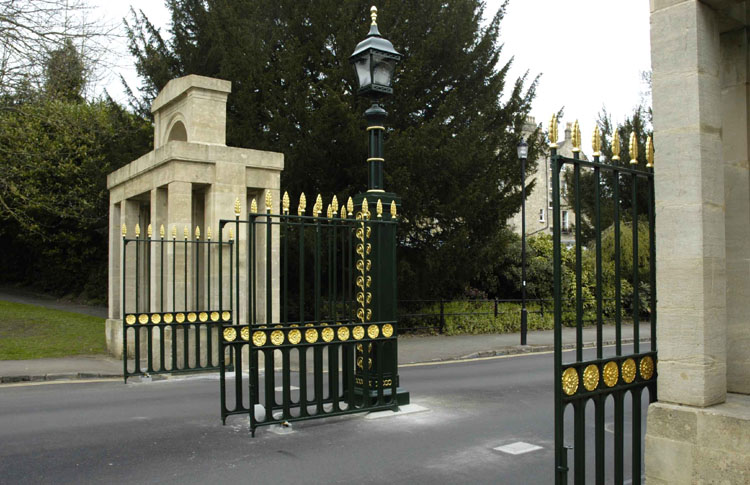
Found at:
[375, 61]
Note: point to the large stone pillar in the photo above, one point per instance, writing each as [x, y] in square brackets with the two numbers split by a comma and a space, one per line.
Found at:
[734, 110]
[179, 215]
[689, 186]
[699, 431]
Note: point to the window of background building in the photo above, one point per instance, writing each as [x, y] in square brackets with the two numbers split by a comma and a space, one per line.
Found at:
[541, 215]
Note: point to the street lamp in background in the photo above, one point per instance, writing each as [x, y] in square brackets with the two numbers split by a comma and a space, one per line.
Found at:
[523, 153]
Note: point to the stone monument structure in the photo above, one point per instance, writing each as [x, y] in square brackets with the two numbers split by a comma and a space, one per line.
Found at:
[699, 431]
[190, 180]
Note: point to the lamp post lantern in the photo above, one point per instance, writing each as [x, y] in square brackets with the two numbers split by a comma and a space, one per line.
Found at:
[374, 61]
[523, 153]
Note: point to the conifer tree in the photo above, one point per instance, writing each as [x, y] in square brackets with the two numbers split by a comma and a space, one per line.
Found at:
[453, 126]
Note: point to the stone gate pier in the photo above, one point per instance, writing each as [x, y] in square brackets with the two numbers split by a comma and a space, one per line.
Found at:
[186, 185]
[699, 431]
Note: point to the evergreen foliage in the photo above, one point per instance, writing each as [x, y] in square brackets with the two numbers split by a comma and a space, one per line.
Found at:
[453, 126]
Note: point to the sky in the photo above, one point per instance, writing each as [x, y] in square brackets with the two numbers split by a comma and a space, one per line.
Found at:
[588, 53]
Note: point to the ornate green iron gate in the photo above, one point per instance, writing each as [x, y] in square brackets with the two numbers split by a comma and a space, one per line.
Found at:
[584, 379]
[170, 323]
[332, 343]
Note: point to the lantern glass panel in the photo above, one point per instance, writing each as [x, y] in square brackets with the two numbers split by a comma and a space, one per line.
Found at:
[383, 68]
[362, 66]
[523, 150]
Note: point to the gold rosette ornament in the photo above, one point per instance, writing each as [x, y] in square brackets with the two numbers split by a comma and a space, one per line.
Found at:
[259, 338]
[359, 332]
[311, 335]
[570, 381]
[295, 337]
[628, 371]
[373, 331]
[327, 334]
[230, 334]
[245, 333]
[610, 373]
[130, 319]
[647, 367]
[343, 333]
[387, 330]
[277, 337]
[591, 377]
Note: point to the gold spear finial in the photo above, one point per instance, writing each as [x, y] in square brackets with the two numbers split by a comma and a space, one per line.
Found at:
[349, 206]
[576, 138]
[269, 201]
[649, 152]
[208, 233]
[254, 206]
[343, 212]
[596, 142]
[633, 149]
[365, 206]
[329, 212]
[231, 234]
[616, 146]
[124, 230]
[174, 232]
[379, 209]
[318, 207]
[374, 14]
[149, 231]
[285, 202]
[553, 132]
[393, 209]
[137, 230]
[335, 204]
[237, 207]
[302, 205]
[197, 232]
[161, 231]
[185, 232]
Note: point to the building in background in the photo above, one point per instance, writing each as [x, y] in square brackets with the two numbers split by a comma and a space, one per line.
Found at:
[539, 200]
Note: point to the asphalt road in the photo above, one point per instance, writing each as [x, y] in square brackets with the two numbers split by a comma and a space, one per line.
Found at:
[170, 432]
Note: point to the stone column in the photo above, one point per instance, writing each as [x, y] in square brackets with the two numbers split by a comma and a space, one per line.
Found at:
[689, 186]
[115, 260]
[734, 110]
[179, 211]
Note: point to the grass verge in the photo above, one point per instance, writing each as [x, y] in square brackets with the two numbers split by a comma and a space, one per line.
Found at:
[34, 332]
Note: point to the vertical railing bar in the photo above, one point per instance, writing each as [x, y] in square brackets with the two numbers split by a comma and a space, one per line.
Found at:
[197, 304]
[560, 470]
[618, 290]
[173, 327]
[619, 434]
[285, 272]
[333, 376]
[579, 441]
[269, 268]
[636, 293]
[599, 284]
[635, 395]
[251, 306]
[268, 377]
[579, 258]
[302, 357]
[599, 445]
[123, 310]
[318, 378]
[209, 326]
[137, 330]
[652, 256]
[162, 367]
[286, 397]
